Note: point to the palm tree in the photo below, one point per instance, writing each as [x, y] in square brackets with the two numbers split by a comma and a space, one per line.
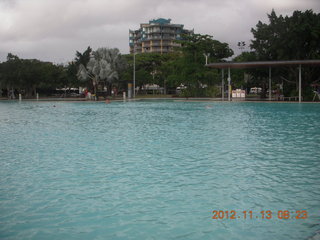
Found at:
[103, 66]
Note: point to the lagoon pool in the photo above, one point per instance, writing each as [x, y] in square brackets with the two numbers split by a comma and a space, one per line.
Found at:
[158, 170]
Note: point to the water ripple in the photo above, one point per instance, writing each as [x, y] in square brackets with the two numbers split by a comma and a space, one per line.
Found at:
[157, 170]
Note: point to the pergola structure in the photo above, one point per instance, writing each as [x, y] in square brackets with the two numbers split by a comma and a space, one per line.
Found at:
[270, 64]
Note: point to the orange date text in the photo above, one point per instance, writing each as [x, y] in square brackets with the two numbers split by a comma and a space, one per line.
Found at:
[265, 214]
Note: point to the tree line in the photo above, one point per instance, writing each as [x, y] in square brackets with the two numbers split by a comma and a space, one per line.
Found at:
[293, 37]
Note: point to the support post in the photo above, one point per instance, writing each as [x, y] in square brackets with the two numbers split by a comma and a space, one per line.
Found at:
[270, 87]
[20, 97]
[129, 90]
[300, 83]
[229, 85]
[222, 84]
[37, 96]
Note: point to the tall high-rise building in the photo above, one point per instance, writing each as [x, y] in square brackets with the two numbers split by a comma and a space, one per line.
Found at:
[157, 36]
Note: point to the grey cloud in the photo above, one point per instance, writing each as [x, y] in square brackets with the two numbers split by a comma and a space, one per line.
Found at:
[54, 29]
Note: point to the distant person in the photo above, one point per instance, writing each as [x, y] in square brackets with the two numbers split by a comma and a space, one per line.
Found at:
[11, 94]
[85, 93]
[278, 94]
[89, 95]
[114, 91]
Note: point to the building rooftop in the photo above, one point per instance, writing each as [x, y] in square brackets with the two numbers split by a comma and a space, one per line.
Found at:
[160, 21]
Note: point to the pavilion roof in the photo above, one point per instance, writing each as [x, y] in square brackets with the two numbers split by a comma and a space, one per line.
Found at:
[262, 64]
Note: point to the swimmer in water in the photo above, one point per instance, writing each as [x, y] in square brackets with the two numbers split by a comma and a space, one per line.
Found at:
[208, 107]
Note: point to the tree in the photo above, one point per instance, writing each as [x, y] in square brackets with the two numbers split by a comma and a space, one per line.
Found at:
[73, 67]
[195, 45]
[10, 71]
[83, 58]
[293, 37]
[71, 72]
[103, 67]
[29, 75]
[183, 66]
[149, 68]
[191, 67]
[288, 38]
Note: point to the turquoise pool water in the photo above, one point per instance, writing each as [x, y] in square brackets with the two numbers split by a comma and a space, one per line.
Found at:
[157, 170]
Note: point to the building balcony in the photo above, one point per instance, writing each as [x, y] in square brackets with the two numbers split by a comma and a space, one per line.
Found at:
[168, 31]
[154, 38]
[156, 44]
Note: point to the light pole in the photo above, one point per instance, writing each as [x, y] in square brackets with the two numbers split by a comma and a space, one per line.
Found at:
[229, 85]
[222, 84]
[241, 45]
[206, 55]
[134, 70]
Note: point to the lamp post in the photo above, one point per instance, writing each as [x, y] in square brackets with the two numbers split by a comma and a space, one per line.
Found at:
[134, 70]
[222, 84]
[241, 45]
[229, 85]
[206, 55]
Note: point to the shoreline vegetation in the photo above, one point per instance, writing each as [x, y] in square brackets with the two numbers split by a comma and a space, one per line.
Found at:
[105, 72]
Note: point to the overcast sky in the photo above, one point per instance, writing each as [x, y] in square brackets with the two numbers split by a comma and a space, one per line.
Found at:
[53, 30]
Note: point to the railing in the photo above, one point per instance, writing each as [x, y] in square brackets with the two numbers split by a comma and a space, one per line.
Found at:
[153, 37]
[294, 98]
[169, 31]
[168, 37]
[152, 30]
[156, 44]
